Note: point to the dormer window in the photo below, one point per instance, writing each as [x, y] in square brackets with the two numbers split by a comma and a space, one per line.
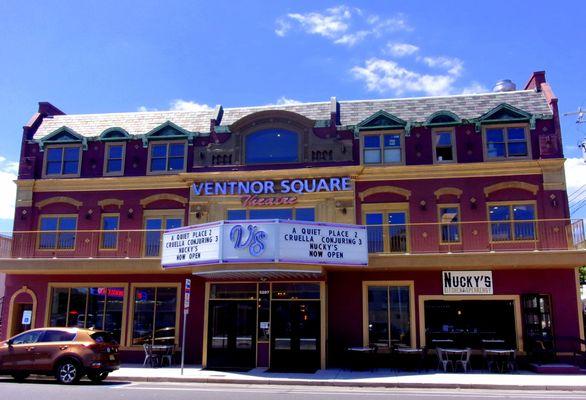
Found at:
[167, 157]
[62, 160]
[383, 148]
[272, 146]
[444, 145]
[503, 142]
[114, 163]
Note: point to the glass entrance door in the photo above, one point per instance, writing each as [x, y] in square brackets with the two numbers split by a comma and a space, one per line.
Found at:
[231, 334]
[295, 335]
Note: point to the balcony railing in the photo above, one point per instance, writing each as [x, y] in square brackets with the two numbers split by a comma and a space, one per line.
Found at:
[412, 238]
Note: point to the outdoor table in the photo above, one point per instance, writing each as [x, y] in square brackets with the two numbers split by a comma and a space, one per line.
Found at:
[455, 354]
[359, 357]
[411, 356]
[161, 350]
[498, 357]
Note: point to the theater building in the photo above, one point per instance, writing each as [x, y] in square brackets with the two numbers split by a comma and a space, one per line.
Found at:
[436, 220]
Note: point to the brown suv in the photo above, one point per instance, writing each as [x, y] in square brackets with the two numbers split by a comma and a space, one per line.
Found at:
[66, 353]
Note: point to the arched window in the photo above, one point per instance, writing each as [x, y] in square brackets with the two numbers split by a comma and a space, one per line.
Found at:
[270, 146]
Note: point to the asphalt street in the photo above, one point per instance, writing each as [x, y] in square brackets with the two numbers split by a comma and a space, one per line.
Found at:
[49, 390]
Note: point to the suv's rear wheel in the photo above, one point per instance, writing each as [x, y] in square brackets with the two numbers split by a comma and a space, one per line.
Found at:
[97, 377]
[68, 372]
[20, 376]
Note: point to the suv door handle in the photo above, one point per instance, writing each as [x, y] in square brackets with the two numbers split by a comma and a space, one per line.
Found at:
[30, 348]
[63, 347]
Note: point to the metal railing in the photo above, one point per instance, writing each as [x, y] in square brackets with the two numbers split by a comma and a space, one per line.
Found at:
[411, 238]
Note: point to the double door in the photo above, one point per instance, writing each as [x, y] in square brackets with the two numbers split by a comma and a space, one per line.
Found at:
[231, 334]
[295, 335]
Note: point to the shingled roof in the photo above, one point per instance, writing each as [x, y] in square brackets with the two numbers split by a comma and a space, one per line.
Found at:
[415, 110]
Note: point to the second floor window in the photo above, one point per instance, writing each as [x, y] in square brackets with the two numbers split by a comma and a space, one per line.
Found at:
[57, 232]
[382, 149]
[155, 226]
[114, 159]
[167, 157]
[506, 142]
[386, 231]
[449, 224]
[109, 234]
[63, 161]
[510, 222]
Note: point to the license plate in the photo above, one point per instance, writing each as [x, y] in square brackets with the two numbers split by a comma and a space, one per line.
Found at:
[112, 358]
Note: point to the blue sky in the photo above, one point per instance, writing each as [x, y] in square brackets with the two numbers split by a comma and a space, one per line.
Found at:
[113, 56]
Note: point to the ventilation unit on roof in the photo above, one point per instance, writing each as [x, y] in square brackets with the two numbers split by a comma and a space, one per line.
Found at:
[505, 85]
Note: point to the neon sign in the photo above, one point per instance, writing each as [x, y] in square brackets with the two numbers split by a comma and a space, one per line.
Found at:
[254, 242]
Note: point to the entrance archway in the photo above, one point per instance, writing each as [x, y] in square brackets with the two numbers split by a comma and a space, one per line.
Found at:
[22, 301]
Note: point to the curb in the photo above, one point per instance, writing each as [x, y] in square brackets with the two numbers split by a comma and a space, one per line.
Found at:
[390, 385]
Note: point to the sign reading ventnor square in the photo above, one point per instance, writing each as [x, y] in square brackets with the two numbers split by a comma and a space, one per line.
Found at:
[256, 241]
[467, 282]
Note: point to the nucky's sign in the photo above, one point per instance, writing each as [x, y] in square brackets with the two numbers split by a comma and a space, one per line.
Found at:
[467, 282]
[284, 186]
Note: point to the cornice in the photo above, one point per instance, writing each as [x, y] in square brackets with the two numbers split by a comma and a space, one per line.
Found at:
[358, 172]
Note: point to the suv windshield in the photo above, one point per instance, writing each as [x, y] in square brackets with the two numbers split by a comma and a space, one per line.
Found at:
[103, 337]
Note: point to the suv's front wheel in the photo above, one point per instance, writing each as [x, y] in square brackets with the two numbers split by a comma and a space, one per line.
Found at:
[68, 372]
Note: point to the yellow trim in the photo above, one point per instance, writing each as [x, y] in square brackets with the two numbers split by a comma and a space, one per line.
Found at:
[323, 324]
[448, 191]
[440, 224]
[110, 202]
[512, 221]
[387, 284]
[511, 185]
[163, 196]
[434, 134]
[70, 285]
[505, 127]
[515, 298]
[23, 289]
[59, 199]
[380, 134]
[103, 231]
[166, 172]
[178, 304]
[123, 160]
[385, 189]
[57, 176]
[204, 352]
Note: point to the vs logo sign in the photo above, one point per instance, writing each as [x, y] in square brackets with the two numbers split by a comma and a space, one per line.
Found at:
[255, 242]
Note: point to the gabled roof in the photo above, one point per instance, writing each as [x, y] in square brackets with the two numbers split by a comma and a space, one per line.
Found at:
[351, 113]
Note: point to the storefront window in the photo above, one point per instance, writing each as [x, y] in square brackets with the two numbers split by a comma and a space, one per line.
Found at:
[512, 222]
[389, 316]
[154, 319]
[295, 290]
[470, 323]
[88, 307]
[269, 146]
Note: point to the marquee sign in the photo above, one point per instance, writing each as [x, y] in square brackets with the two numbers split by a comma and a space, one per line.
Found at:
[467, 282]
[265, 241]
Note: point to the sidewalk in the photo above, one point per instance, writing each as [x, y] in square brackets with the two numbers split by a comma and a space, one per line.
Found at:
[522, 380]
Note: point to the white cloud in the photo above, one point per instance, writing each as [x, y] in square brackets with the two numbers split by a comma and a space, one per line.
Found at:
[575, 179]
[386, 75]
[8, 173]
[186, 105]
[474, 88]
[452, 65]
[285, 101]
[401, 49]
[145, 109]
[342, 25]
